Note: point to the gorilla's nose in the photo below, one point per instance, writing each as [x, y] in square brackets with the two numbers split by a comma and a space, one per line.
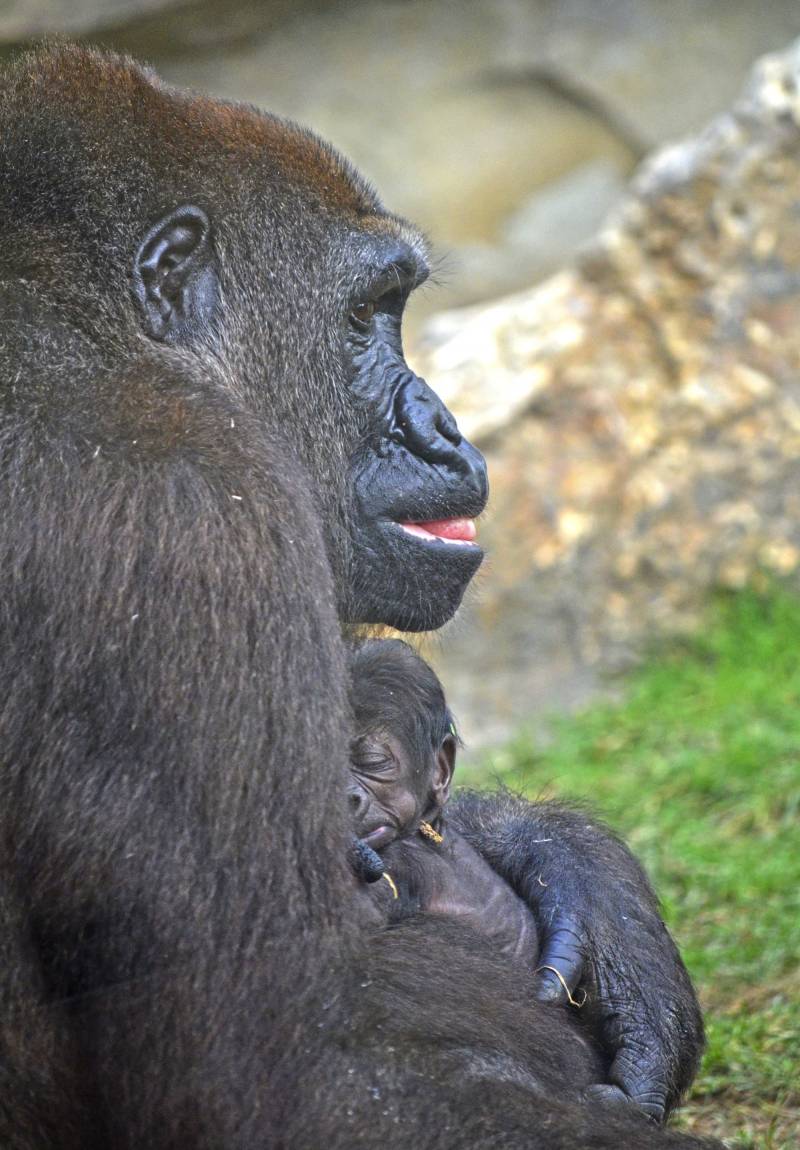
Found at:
[476, 475]
[423, 423]
[357, 801]
[426, 427]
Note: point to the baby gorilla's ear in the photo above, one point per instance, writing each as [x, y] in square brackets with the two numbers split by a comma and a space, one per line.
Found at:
[443, 770]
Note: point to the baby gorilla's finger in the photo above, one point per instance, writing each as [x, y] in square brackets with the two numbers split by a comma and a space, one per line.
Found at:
[367, 864]
[561, 963]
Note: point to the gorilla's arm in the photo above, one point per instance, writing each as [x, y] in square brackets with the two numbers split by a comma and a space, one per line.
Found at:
[601, 929]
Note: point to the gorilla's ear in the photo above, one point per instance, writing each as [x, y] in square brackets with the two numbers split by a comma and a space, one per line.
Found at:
[443, 770]
[175, 276]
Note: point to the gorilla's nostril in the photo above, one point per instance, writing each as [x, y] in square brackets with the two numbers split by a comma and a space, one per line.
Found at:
[357, 801]
[447, 426]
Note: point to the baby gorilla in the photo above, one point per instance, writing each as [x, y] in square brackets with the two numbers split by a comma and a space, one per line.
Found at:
[402, 757]
[440, 888]
[469, 876]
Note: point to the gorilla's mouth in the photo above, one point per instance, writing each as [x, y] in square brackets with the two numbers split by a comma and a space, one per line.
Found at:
[459, 532]
[411, 571]
[379, 837]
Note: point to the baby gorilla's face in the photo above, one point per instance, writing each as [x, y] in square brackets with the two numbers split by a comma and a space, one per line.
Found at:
[389, 794]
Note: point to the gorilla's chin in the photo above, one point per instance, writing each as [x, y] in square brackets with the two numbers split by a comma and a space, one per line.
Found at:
[405, 581]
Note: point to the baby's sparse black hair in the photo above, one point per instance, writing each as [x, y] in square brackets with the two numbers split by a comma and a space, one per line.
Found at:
[393, 689]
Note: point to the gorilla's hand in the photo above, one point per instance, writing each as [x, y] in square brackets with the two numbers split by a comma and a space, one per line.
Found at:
[367, 863]
[616, 969]
[601, 937]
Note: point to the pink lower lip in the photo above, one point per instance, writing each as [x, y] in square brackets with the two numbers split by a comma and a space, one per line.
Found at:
[380, 837]
[459, 531]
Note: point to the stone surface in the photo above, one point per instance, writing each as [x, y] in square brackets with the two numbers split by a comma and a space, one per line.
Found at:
[640, 415]
[472, 116]
[21, 19]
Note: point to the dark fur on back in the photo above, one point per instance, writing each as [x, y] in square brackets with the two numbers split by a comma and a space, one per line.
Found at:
[136, 805]
[171, 673]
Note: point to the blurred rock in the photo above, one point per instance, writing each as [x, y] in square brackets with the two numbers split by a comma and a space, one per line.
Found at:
[465, 112]
[578, 203]
[640, 415]
[486, 121]
[544, 233]
[24, 19]
[664, 68]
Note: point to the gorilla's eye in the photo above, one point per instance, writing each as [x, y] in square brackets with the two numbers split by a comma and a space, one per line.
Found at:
[361, 315]
[372, 764]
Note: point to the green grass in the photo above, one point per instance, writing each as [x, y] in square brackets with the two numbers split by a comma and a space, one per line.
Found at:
[699, 768]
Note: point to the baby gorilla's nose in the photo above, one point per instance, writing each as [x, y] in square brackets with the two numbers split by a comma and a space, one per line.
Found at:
[357, 801]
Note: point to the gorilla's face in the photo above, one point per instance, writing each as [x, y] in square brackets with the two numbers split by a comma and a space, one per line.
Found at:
[307, 284]
[417, 484]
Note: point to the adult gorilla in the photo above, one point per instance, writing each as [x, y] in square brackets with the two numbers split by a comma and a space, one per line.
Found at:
[210, 448]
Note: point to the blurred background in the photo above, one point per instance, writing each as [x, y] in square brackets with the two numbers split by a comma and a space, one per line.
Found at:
[612, 189]
[506, 128]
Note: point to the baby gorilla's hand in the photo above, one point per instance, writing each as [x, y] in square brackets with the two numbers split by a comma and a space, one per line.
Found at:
[367, 864]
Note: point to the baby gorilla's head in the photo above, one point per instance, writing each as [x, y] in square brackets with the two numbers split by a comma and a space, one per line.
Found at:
[404, 749]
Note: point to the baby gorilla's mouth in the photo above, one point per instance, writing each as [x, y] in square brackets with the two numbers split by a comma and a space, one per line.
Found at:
[379, 837]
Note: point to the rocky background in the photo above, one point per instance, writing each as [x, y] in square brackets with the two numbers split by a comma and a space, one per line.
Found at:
[507, 128]
[640, 409]
[640, 414]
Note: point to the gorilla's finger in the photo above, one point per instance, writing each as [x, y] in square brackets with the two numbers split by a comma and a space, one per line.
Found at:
[561, 962]
[606, 1094]
[367, 864]
[644, 1086]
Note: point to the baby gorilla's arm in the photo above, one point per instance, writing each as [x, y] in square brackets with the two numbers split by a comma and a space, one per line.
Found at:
[600, 928]
[454, 881]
